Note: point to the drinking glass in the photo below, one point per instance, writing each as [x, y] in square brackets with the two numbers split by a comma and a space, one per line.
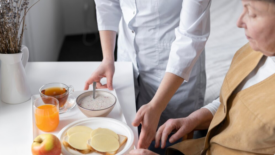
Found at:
[46, 112]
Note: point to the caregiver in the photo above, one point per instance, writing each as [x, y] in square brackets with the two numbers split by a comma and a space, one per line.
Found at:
[165, 41]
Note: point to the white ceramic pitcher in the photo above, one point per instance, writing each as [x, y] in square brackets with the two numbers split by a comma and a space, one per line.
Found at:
[14, 87]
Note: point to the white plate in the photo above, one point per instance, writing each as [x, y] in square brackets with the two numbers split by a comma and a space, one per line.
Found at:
[100, 122]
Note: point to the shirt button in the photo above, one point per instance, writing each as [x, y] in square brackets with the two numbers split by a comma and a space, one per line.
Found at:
[134, 12]
[133, 31]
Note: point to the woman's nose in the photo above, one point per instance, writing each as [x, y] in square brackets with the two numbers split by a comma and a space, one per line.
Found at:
[240, 22]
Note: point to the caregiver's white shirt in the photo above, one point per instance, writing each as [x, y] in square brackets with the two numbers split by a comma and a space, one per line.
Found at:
[176, 55]
[264, 69]
[160, 36]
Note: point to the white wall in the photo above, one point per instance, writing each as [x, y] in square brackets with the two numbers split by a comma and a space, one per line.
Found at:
[44, 34]
[79, 16]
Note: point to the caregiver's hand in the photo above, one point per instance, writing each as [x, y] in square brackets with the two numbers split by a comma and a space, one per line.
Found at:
[182, 126]
[148, 116]
[106, 69]
[141, 152]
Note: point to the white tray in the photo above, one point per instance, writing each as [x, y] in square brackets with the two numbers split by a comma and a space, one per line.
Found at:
[75, 114]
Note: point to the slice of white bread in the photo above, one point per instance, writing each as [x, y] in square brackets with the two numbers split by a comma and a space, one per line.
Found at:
[103, 143]
[84, 151]
[122, 140]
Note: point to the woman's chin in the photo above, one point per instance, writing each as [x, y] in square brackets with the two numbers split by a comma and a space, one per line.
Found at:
[254, 46]
[267, 53]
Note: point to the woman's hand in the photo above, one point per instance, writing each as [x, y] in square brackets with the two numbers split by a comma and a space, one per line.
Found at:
[148, 116]
[106, 69]
[141, 152]
[198, 120]
[182, 126]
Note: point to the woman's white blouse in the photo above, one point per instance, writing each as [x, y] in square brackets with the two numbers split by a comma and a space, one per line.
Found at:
[265, 68]
[191, 33]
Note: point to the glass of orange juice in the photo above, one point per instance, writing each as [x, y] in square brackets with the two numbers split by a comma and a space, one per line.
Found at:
[46, 112]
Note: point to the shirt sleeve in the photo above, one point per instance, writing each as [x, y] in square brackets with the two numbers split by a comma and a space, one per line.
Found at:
[191, 37]
[213, 107]
[108, 14]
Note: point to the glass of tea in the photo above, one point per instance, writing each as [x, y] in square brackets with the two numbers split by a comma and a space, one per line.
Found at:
[59, 91]
[46, 112]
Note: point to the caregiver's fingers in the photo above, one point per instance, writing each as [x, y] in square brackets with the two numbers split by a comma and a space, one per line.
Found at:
[100, 86]
[89, 82]
[110, 81]
[146, 136]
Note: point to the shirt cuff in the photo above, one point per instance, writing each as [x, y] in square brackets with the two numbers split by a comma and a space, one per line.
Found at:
[178, 72]
[213, 107]
[104, 27]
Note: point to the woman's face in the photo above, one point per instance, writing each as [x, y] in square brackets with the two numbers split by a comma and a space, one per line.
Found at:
[258, 20]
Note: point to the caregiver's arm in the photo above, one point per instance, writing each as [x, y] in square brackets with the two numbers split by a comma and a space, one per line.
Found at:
[191, 36]
[108, 16]
[107, 67]
[108, 41]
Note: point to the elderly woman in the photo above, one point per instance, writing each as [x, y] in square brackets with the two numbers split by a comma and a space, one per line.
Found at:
[244, 118]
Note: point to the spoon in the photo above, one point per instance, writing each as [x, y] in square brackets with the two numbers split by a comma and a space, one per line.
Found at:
[94, 88]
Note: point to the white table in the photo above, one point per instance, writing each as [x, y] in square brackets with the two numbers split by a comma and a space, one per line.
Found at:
[16, 120]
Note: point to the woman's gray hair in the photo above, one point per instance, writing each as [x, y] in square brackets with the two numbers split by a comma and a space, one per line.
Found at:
[273, 1]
